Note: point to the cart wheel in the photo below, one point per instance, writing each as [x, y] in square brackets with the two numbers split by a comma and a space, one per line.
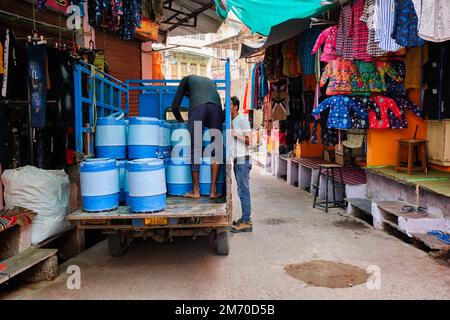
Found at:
[117, 244]
[223, 244]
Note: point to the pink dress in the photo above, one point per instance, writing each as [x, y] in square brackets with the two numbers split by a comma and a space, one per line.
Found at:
[328, 36]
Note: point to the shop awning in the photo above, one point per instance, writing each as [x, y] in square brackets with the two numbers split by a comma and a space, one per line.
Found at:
[261, 15]
[186, 17]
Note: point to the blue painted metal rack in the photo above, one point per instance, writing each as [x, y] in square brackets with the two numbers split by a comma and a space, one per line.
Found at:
[102, 96]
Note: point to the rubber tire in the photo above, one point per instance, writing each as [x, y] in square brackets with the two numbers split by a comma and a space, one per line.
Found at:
[117, 244]
[223, 244]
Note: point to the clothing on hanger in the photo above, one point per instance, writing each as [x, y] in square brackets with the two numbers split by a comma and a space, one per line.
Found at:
[370, 77]
[383, 105]
[384, 25]
[307, 41]
[403, 104]
[414, 61]
[343, 78]
[368, 18]
[344, 42]
[291, 57]
[339, 117]
[355, 138]
[434, 20]
[405, 30]
[359, 32]
[327, 38]
[37, 83]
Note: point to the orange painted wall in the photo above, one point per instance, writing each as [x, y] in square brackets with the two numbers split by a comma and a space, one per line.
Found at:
[309, 150]
[382, 144]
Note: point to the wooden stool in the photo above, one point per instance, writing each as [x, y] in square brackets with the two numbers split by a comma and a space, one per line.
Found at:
[415, 149]
[329, 172]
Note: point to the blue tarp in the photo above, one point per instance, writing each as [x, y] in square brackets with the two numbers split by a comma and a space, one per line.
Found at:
[261, 15]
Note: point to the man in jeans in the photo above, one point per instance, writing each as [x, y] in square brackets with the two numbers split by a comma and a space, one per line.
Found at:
[242, 165]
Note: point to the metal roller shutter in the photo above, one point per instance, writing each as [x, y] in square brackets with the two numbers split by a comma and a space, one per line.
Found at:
[124, 59]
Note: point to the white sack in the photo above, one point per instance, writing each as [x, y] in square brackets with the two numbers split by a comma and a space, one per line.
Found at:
[44, 191]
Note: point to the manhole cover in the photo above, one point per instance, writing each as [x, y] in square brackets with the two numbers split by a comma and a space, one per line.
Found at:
[328, 274]
[350, 224]
[275, 221]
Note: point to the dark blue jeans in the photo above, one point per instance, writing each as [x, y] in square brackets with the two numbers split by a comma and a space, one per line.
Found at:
[242, 174]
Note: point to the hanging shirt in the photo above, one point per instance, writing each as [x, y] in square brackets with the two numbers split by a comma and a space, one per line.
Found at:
[367, 17]
[414, 61]
[2, 68]
[395, 85]
[370, 77]
[434, 20]
[385, 70]
[339, 117]
[405, 30]
[403, 104]
[307, 41]
[291, 57]
[343, 77]
[360, 120]
[383, 105]
[359, 32]
[327, 37]
[384, 25]
[344, 42]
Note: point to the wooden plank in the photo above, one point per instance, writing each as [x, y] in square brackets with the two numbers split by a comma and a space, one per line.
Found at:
[174, 226]
[174, 211]
[362, 204]
[431, 241]
[23, 261]
[395, 208]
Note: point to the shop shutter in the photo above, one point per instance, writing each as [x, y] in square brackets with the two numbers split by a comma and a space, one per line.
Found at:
[124, 59]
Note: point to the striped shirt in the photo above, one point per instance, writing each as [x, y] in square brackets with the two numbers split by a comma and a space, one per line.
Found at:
[368, 14]
[384, 20]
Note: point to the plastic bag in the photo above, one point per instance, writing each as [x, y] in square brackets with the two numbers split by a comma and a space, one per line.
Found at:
[43, 191]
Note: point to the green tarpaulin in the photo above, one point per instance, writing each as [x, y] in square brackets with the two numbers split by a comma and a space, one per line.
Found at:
[261, 15]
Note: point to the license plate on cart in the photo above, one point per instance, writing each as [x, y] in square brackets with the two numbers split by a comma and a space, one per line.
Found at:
[156, 221]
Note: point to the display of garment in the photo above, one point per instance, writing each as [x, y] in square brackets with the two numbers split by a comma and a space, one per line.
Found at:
[383, 105]
[39, 147]
[339, 117]
[343, 77]
[359, 32]
[267, 113]
[279, 100]
[329, 137]
[355, 138]
[273, 60]
[434, 18]
[367, 17]
[405, 30]
[395, 86]
[295, 90]
[370, 77]
[10, 65]
[414, 60]
[386, 70]
[327, 38]
[364, 104]
[344, 42]
[115, 13]
[263, 85]
[37, 83]
[2, 68]
[61, 75]
[258, 116]
[95, 10]
[384, 25]
[436, 79]
[131, 18]
[307, 42]
[403, 104]
[291, 57]
[255, 86]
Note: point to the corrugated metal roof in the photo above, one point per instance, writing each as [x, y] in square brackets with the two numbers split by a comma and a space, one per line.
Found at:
[207, 19]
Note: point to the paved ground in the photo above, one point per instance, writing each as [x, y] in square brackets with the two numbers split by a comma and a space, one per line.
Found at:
[188, 269]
